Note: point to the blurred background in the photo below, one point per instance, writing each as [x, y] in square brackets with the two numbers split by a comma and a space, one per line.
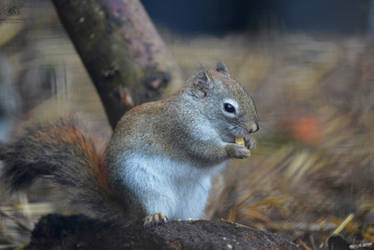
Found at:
[309, 66]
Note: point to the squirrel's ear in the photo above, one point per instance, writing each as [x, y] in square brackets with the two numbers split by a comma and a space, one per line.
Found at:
[203, 84]
[220, 67]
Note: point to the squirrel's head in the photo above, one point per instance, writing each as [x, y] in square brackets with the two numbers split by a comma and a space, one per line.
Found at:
[225, 102]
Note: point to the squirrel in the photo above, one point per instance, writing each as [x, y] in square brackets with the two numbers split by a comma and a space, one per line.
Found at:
[161, 157]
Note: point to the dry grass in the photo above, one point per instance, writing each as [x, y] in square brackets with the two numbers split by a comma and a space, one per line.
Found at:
[312, 172]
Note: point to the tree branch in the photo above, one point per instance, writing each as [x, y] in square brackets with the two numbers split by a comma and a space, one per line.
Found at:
[121, 50]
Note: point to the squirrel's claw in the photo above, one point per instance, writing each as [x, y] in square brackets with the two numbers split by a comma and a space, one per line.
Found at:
[155, 219]
[237, 151]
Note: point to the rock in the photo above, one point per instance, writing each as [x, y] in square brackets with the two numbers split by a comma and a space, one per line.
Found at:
[57, 232]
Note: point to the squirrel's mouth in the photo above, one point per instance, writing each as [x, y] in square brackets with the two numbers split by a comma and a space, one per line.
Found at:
[244, 140]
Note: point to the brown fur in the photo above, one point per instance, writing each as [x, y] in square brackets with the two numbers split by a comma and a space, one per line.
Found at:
[62, 151]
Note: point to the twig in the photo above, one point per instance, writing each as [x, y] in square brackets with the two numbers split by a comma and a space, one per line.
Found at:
[16, 221]
[343, 224]
[361, 245]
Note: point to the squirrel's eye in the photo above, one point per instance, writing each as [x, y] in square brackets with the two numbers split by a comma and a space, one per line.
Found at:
[228, 107]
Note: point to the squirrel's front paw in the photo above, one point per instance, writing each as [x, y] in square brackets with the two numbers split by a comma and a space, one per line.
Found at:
[237, 151]
[155, 219]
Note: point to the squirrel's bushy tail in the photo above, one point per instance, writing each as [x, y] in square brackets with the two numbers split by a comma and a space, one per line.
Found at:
[67, 156]
[59, 150]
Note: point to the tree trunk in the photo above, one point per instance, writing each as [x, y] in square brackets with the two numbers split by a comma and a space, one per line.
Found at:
[121, 50]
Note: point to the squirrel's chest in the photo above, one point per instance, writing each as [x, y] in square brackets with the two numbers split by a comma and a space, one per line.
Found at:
[174, 188]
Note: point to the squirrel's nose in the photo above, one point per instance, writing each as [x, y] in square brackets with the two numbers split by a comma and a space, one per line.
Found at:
[253, 128]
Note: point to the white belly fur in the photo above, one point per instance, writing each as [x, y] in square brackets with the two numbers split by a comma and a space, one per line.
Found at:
[178, 190]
